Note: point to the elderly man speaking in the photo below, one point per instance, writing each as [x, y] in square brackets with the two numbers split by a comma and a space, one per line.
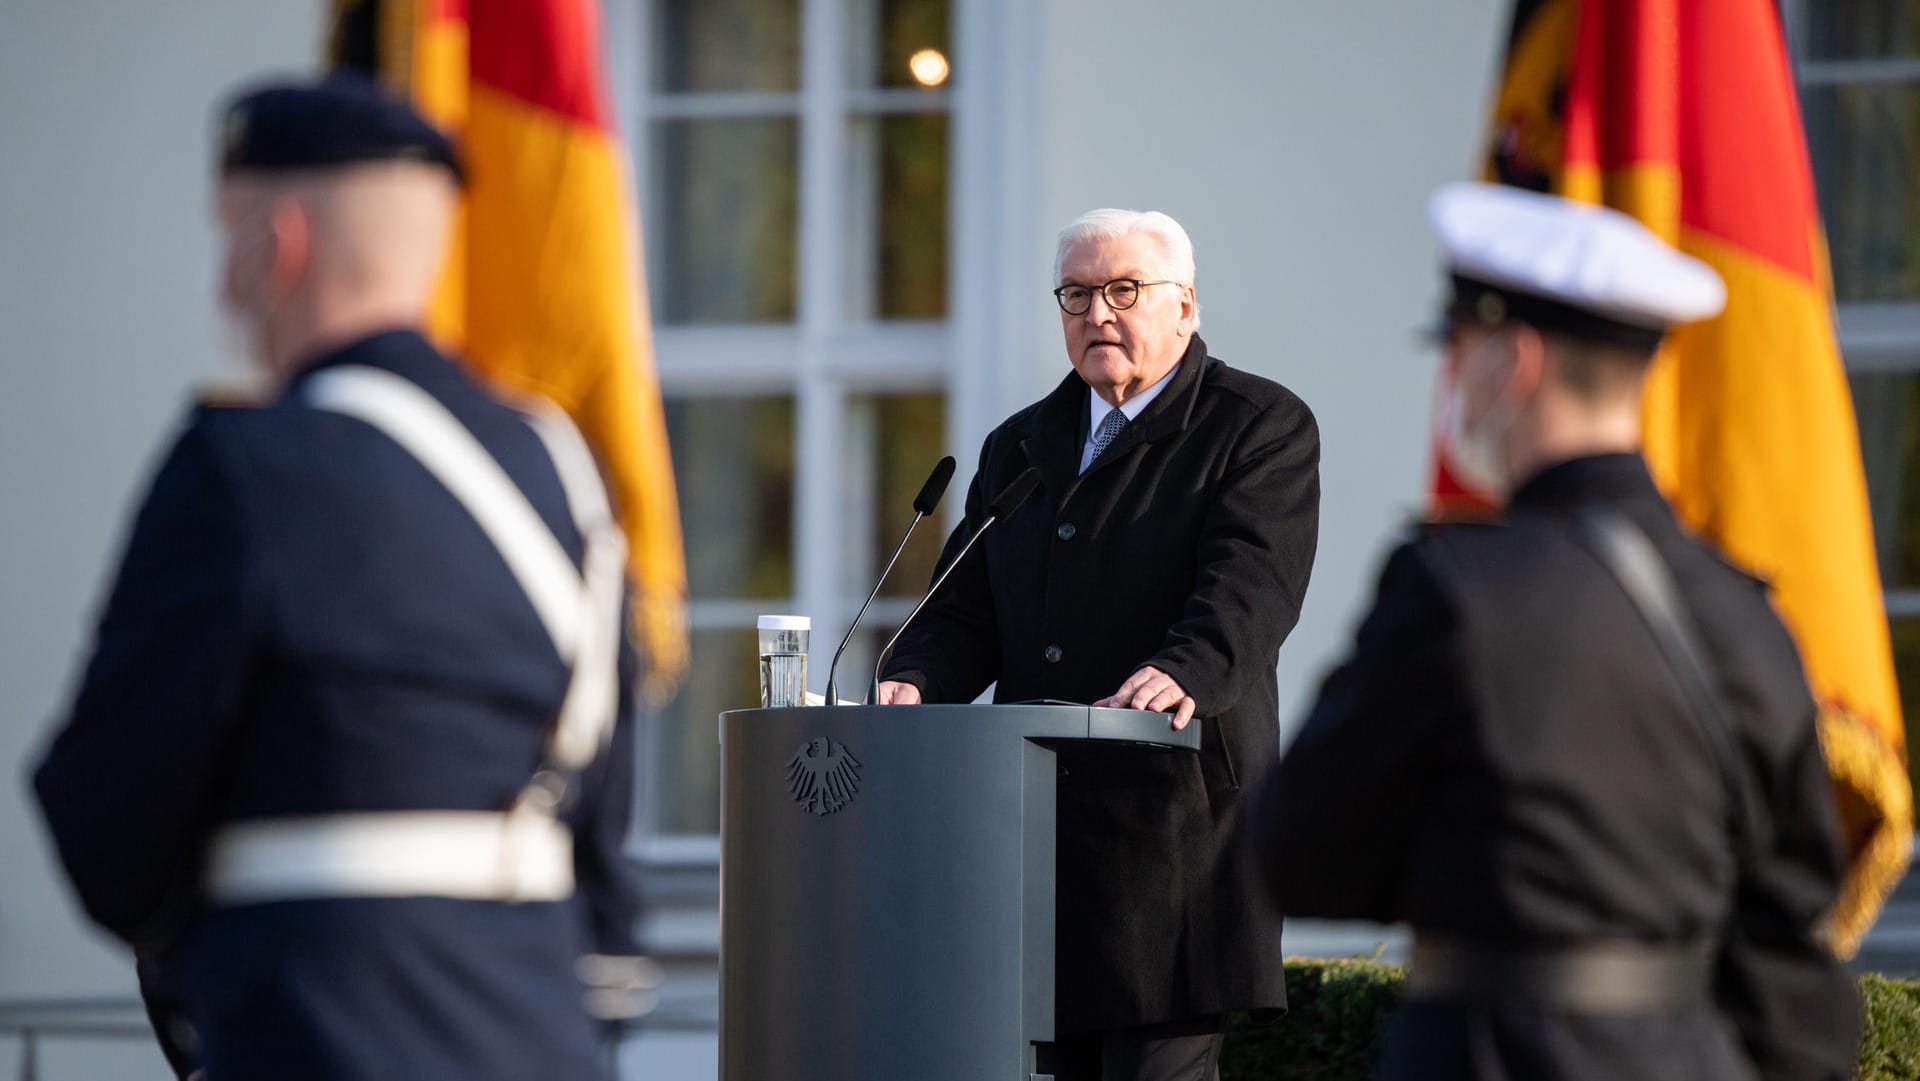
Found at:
[1160, 566]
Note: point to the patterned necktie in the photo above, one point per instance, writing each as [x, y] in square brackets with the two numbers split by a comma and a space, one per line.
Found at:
[1108, 431]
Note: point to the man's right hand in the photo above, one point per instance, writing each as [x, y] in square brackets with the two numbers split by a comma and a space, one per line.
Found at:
[895, 693]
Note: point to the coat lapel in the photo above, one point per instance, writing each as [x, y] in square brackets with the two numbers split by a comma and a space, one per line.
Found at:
[1056, 434]
[1169, 412]
[1053, 438]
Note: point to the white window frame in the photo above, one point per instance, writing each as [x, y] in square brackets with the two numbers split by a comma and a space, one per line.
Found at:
[823, 358]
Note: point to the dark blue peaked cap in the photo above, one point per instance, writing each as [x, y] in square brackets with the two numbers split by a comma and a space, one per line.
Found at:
[343, 119]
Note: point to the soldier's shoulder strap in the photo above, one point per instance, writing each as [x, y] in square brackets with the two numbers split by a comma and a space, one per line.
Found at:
[1630, 556]
[580, 608]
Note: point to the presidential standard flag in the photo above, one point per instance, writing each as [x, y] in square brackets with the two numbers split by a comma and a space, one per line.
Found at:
[543, 291]
[1683, 115]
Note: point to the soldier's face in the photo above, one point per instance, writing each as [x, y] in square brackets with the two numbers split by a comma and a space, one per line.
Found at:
[246, 256]
[263, 230]
[1120, 353]
[1481, 411]
[1480, 367]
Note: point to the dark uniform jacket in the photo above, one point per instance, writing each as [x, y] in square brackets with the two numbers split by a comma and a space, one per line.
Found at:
[307, 622]
[1508, 758]
[1187, 546]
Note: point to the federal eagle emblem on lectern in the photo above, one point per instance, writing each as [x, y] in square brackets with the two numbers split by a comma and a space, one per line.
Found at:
[823, 776]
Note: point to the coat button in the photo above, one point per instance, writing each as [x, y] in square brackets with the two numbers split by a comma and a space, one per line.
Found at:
[1065, 532]
[1053, 654]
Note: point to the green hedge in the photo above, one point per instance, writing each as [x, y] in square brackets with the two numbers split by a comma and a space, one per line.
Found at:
[1338, 1009]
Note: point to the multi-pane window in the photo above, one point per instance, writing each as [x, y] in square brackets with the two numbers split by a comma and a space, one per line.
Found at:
[1859, 74]
[793, 157]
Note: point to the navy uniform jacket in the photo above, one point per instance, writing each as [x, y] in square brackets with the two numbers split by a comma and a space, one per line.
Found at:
[1506, 757]
[1187, 545]
[307, 622]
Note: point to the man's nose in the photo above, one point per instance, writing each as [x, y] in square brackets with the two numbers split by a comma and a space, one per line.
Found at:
[1098, 312]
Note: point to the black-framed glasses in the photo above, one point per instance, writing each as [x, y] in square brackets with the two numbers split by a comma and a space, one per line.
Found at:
[1120, 294]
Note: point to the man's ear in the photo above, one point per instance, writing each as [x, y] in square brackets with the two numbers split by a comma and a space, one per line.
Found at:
[291, 233]
[1528, 349]
[1189, 309]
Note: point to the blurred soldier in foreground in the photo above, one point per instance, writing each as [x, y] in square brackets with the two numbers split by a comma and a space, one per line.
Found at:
[1573, 749]
[351, 765]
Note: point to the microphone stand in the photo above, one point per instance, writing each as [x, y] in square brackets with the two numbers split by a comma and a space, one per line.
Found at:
[923, 505]
[873, 685]
[1005, 503]
[833, 698]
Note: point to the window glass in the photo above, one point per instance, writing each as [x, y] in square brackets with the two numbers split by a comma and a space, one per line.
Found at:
[899, 43]
[911, 436]
[897, 216]
[725, 219]
[721, 45]
[1888, 407]
[1906, 664]
[1864, 139]
[1860, 29]
[733, 465]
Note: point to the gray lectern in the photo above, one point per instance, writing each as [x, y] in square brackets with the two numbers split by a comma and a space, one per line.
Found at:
[886, 886]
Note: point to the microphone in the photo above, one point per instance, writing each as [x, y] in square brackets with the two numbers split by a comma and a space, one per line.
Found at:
[1005, 503]
[923, 504]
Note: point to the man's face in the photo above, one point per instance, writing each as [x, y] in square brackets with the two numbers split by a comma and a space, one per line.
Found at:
[1483, 365]
[242, 212]
[1494, 376]
[1472, 367]
[258, 219]
[1120, 353]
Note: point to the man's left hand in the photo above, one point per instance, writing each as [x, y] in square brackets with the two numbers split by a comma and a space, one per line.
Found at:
[1150, 688]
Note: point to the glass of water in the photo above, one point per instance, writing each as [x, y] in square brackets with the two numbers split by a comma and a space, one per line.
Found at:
[783, 660]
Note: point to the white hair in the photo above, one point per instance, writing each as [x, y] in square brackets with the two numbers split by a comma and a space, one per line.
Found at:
[1108, 223]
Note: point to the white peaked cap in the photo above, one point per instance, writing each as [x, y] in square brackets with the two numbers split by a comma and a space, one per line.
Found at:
[1585, 257]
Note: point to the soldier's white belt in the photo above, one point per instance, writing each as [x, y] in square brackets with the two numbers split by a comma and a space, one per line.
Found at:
[473, 855]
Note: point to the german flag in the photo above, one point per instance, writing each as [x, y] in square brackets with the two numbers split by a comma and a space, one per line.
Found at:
[543, 291]
[1683, 115]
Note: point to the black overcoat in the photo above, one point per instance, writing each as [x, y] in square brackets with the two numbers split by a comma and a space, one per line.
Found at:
[1186, 545]
[1507, 757]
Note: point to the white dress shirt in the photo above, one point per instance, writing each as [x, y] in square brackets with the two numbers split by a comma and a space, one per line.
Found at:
[1098, 408]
